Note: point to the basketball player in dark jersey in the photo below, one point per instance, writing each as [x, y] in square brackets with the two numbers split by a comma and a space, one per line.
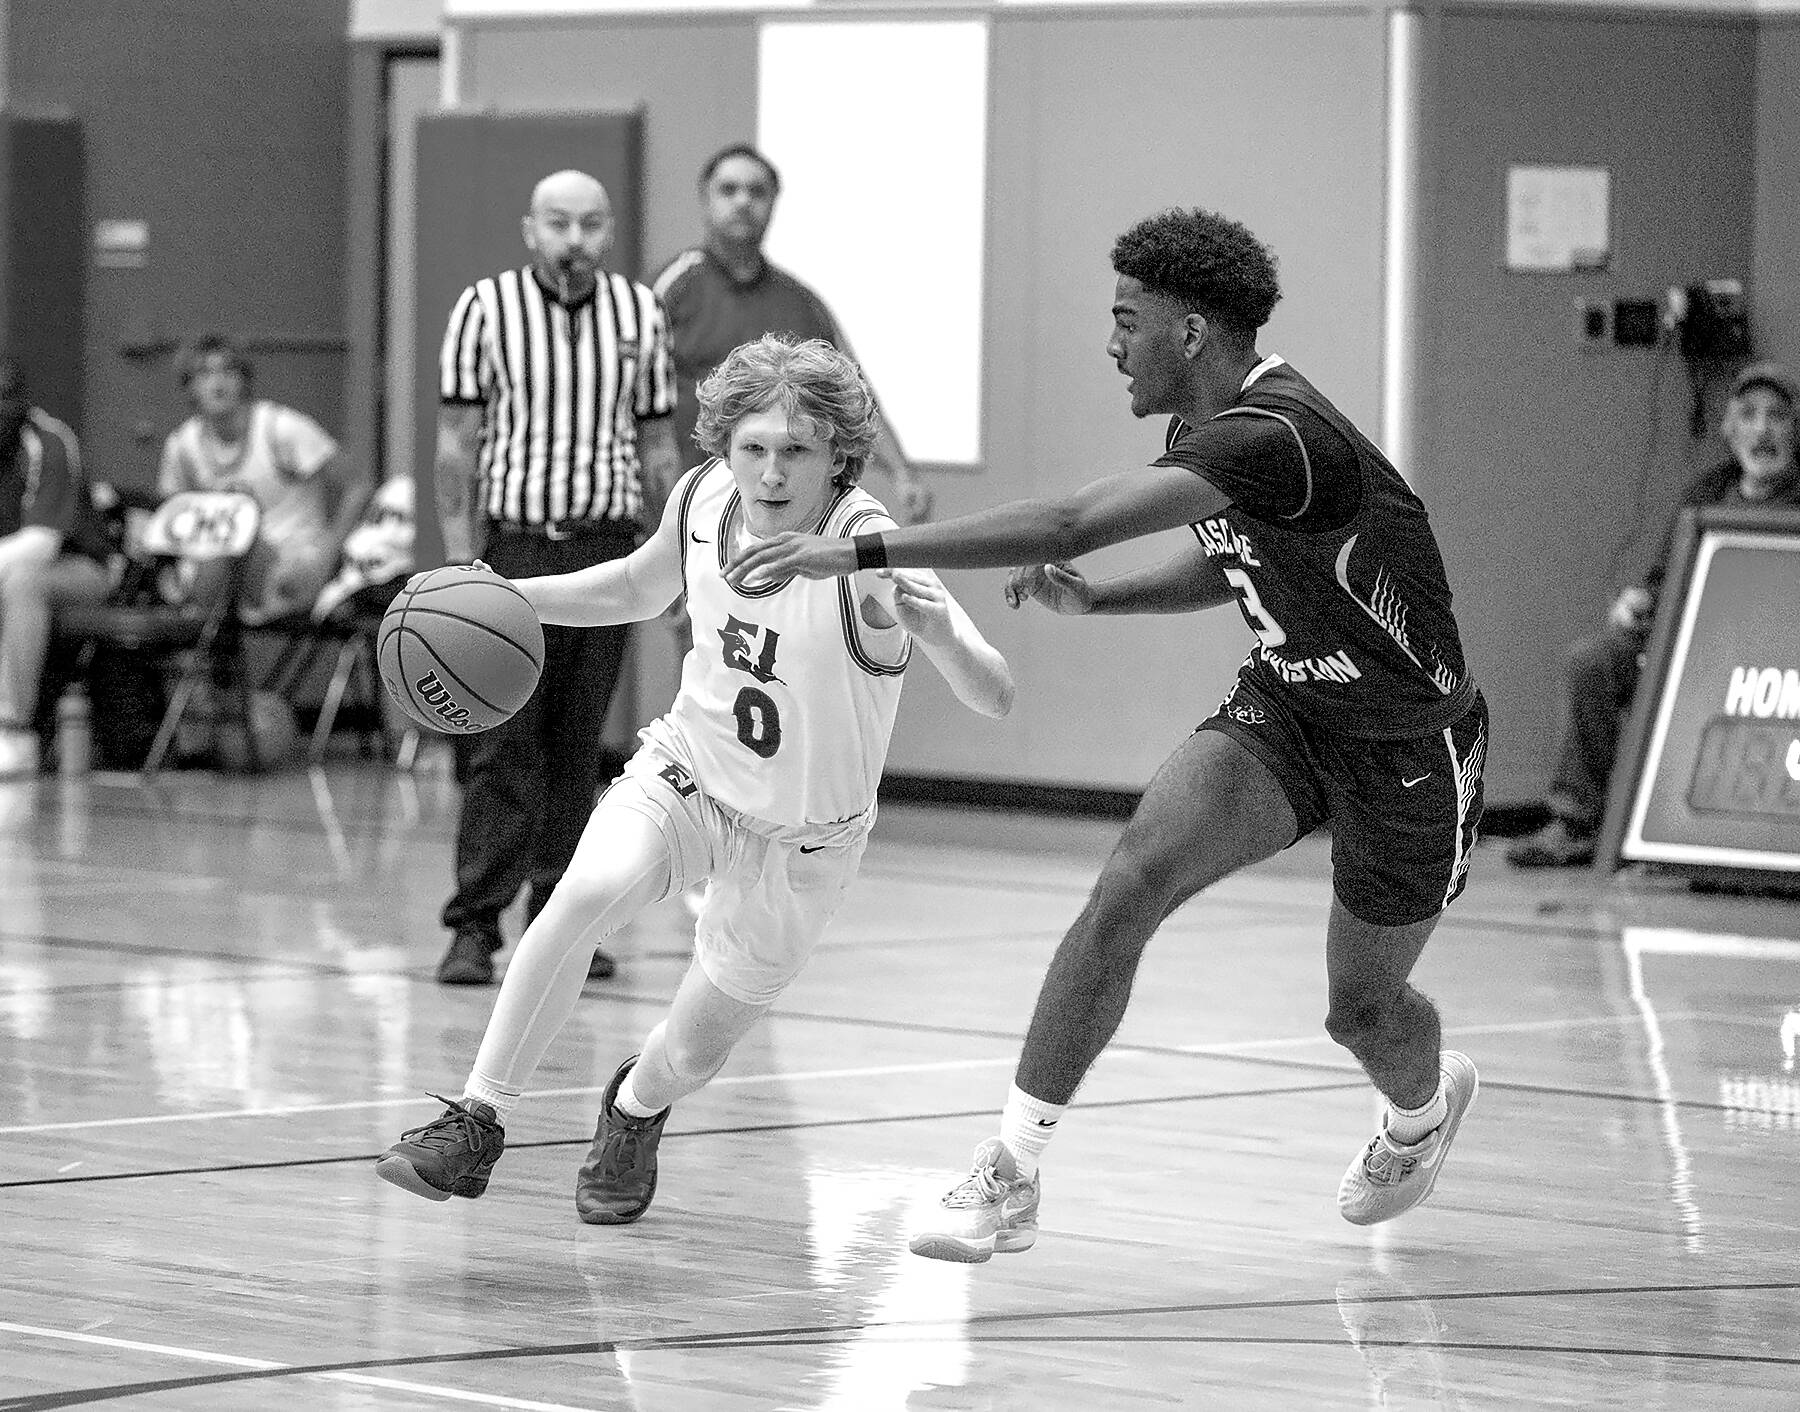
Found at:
[1354, 706]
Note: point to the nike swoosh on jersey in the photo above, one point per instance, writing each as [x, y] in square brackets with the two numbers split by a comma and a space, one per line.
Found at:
[1408, 784]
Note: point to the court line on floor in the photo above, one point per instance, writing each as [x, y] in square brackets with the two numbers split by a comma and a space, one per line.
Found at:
[1249, 1051]
[686, 1134]
[249, 1367]
[1229, 1050]
[988, 1329]
[412, 1099]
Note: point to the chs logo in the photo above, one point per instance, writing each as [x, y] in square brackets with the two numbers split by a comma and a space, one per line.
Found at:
[431, 692]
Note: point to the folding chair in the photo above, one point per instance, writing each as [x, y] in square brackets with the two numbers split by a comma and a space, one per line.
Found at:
[348, 633]
[202, 636]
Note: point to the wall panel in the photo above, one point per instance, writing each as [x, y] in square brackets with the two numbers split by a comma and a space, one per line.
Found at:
[1557, 462]
[1775, 287]
[1275, 120]
[222, 126]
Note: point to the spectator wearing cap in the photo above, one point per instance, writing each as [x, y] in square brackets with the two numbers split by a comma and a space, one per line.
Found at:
[1601, 672]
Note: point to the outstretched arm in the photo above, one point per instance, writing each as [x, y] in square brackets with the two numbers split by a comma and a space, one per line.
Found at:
[1183, 583]
[1105, 512]
[976, 671]
[627, 590]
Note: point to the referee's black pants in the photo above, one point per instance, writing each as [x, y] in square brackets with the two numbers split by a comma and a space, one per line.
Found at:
[529, 784]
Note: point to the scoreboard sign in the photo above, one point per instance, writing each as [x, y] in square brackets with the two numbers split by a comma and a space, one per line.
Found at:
[1708, 775]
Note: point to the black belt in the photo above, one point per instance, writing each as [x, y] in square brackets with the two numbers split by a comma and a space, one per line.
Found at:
[566, 529]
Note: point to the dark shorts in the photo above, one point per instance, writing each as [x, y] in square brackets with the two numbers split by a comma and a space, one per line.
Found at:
[1403, 813]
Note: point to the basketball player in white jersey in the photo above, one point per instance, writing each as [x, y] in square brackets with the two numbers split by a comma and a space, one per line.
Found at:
[760, 781]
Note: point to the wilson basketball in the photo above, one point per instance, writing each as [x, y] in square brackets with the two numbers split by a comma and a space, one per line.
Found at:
[460, 649]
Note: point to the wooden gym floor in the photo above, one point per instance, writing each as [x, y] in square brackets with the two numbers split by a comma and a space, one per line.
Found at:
[217, 1006]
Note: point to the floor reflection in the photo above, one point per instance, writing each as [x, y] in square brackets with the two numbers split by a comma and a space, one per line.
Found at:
[1397, 1333]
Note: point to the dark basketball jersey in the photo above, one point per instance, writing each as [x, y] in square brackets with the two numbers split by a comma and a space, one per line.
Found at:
[1332, 559]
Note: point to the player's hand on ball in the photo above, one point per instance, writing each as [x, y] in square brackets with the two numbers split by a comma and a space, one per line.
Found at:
[1059, 587]
[922, 605]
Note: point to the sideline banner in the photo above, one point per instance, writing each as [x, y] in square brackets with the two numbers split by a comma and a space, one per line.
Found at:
[1708, 776]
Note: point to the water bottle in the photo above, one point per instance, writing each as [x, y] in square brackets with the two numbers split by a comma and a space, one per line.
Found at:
[74, 734]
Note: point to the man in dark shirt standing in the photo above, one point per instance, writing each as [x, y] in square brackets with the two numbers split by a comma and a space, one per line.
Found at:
[726, 292]
[1601, 671]
[554, 452]
[1354, 706]
[52, 552]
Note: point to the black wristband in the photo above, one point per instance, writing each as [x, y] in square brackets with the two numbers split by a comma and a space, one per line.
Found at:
[871, 551]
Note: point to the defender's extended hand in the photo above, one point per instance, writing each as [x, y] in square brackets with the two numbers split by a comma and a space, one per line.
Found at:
[1059, 587]
[810, 556]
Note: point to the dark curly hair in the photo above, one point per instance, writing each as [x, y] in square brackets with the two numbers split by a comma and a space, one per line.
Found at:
[1205, 260]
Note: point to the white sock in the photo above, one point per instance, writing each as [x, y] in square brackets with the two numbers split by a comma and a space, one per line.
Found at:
[497, 1096]
[1026, 1126]
[1409, 1125]
[627, 1101]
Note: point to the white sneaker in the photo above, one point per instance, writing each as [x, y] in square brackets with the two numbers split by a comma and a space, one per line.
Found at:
[18, 753]
[1387, 1177]
[992, 1209]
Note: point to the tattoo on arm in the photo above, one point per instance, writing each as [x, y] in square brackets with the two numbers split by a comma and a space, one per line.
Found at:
[459, 433]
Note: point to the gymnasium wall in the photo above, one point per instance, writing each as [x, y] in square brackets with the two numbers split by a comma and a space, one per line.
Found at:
[1275, 118]
[1775, 268]
[1549, 466]
[220, 125]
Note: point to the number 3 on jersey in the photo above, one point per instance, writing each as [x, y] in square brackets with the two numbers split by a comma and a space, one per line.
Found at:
[1268, 632]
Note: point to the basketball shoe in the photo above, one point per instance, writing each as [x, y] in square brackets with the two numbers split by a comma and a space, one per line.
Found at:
[993, 1208]
[450, 1156]
[1387, 1177]
[618, 1181]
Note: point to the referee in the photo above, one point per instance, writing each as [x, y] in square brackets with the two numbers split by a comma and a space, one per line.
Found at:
[554, 438]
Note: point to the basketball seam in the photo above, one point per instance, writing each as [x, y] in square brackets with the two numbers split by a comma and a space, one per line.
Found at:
[439, 665]
[496, 581]
[472, 622]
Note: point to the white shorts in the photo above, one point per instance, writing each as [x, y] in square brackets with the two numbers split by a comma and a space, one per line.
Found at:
[772, 888]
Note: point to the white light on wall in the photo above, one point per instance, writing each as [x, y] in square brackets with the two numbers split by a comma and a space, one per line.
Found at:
[880, 132]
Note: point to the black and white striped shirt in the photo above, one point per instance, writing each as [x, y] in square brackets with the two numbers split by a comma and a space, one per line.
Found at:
[564, 390]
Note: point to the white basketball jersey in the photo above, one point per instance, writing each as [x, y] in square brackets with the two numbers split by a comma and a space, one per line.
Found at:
[787, 696]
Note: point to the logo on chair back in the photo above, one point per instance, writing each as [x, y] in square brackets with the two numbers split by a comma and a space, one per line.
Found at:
[203, 524]
[432, 692]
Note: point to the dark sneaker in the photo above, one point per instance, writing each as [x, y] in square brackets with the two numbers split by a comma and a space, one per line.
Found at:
[1556, 845]
[618, 1181]
[470, 959]
[602, 966]
[450, 1156]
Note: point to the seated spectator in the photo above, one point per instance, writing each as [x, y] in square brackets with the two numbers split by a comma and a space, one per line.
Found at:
[1601, 673]
[52, 552]
[311, 499]
[378, 554]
